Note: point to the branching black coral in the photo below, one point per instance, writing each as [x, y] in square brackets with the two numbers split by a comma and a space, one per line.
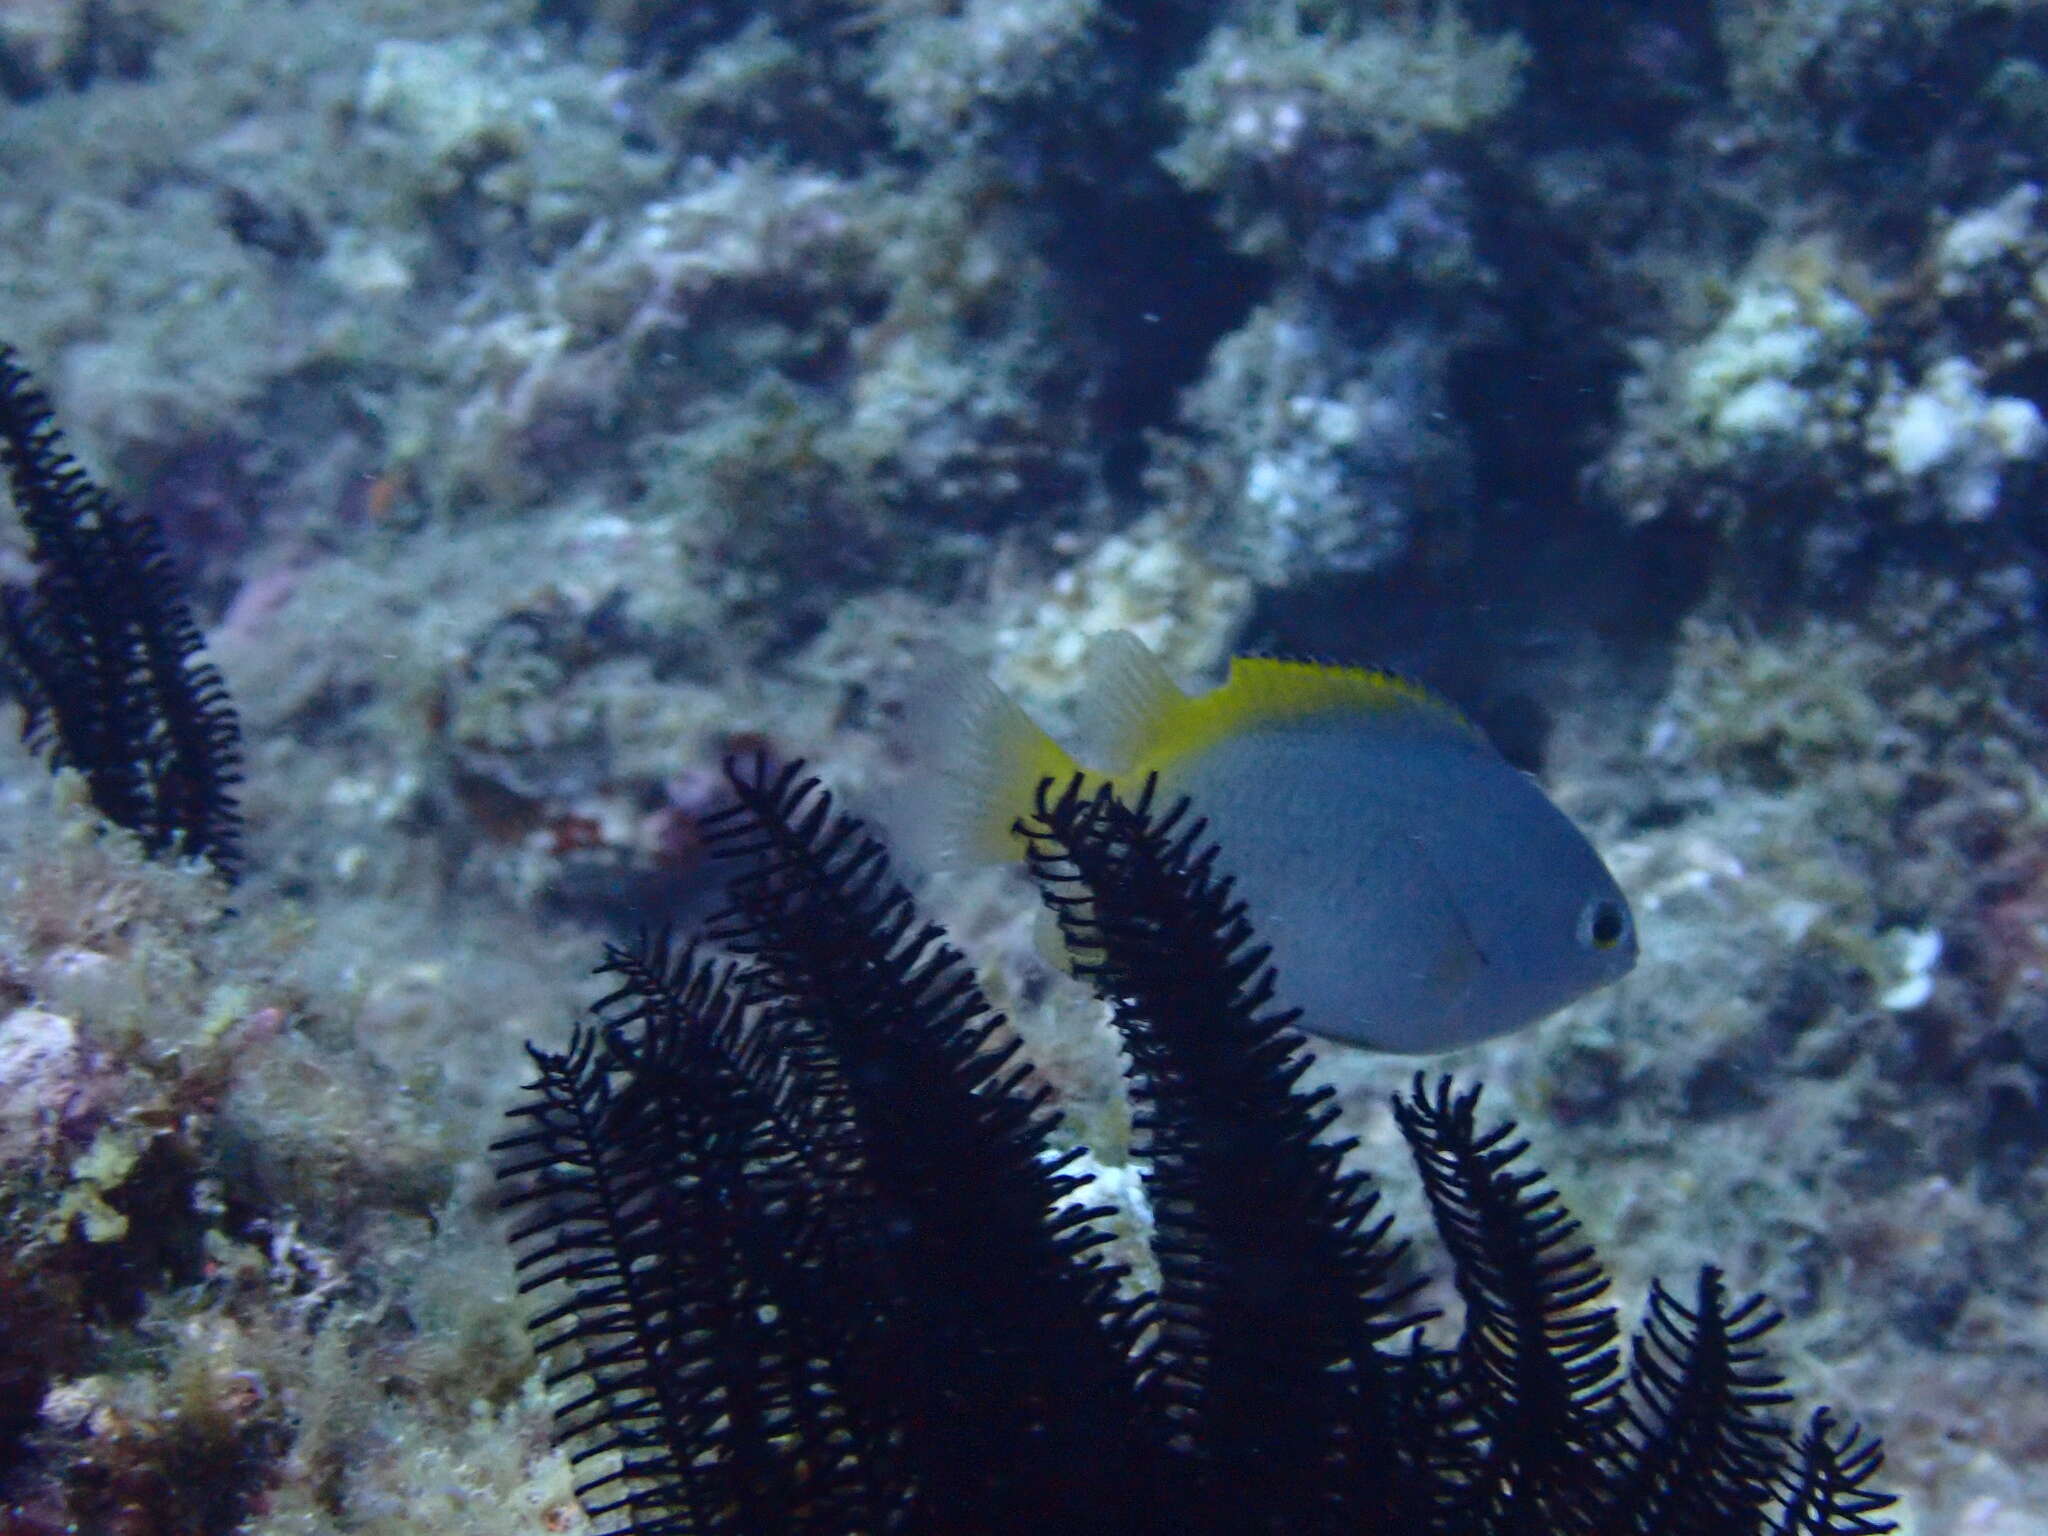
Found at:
[103, 651]
[820, 1270]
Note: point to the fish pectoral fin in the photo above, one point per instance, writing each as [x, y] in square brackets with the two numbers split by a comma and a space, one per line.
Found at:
[1421, 922]
[1457, 965]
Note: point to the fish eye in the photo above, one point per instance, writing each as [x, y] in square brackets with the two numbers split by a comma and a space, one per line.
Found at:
[1602, 924]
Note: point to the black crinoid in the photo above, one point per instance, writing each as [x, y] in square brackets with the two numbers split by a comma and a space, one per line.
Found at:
[820, 1270]
[103, 652]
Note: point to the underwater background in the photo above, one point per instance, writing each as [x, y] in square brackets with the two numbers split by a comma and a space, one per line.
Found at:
[544, 401]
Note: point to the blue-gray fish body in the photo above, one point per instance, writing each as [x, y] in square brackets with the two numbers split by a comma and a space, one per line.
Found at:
[1417, 891]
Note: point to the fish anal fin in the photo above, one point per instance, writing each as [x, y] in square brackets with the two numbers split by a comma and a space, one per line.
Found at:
[1050, 940]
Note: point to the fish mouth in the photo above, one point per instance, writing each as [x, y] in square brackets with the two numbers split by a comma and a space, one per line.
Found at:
[1627, 954]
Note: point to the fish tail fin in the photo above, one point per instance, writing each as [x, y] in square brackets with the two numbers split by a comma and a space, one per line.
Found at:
[990, 758]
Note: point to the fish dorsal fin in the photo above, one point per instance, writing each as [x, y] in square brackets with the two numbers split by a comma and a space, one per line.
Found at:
[1130, 701]
[1270, 689]
[1264, 691]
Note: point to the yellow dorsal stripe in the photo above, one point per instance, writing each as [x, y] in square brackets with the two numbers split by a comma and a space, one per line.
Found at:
[1263, 691]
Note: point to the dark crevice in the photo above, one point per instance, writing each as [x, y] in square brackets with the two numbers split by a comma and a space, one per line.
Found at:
[1492, 631]
[1906, 108]
[1157, 288]
[107, 42]
[1950, 117]
[1630, 69]
[1536, 392]
[1534, 402]
[1142, 263]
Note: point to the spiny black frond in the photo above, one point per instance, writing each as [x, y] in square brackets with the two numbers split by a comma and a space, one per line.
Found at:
[1706, 1451]
[822, 1274]
[778, 1065]
[104, 653]
[1829, 1492]
[1275, 1279]
[807, 1168]
[676, 1210]
[1538, 1356]
[1008, 1328]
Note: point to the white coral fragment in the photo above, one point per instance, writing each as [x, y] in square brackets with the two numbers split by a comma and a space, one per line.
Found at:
[1984, 235]
[40, 1069]
[1914, 954]
[1755, 374]
[1954, 440]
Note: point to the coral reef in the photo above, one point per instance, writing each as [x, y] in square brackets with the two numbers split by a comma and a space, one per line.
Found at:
[47, 43]
[540, 400]
[1813, 416]
[1343, 154]
[211, 1147]
[1341, 460]
[1325, 137]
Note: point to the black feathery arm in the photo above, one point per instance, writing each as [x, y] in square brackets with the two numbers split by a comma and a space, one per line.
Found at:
[816, 1221]
[68, 650]
[191, 745]
[1829, 1492]
[677, 1215]
[1276, 1289]
[1009, 1339]
[1538, 1355]
[775, 1062]
[1706, 1454]
[104, 652]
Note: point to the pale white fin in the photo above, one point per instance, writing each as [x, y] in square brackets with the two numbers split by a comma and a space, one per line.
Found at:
[1127, 700]
[985, 759]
